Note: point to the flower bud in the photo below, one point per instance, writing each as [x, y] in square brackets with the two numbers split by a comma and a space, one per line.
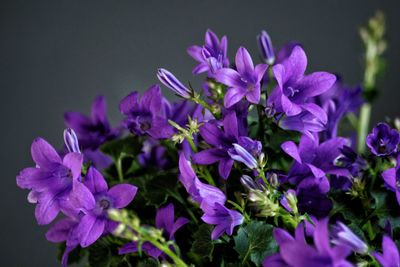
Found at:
[342, 235]
[71, 140]
[248, 182]
[169, 80]
[240, 154]
[267, 51]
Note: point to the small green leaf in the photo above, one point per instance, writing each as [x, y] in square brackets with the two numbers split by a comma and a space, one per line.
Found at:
[128, 146]
[202, 247]
[255, 241]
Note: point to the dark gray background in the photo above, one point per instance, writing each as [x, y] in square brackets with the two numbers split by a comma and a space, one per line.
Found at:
[57, 55]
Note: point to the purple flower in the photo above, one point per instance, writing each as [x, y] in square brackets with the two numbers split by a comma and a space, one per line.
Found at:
[305, 122]
[50, 181]
[165, 220]
[312, 197]
[224, 219]
[93, 131]
[153, 155]
[294, 89]
[266, 48]
[244, 81]
[146, 115]
[222, 142]
[392, 179]
[383, 140]
[169, 80]
[212, 56]
[296, 252]
[342, 235]
[390, 256]
[95, 199]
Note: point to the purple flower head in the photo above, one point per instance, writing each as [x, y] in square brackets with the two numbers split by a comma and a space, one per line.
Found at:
[392, 179]
[244, 81]
[95, 199]
[383, 140]
[165, 220]
[92, 131]
[50, 181]
[239, 153]
[390, 256]
[305, 122]
[312, 197]
[342, 235]
[266, 48]
[222, 142]
[71, 140]
[295, 251]
[147, 114]
[294, 89]
[351, 161]
[169, 80]
[212, 56]
[153, 155]
[224, 219]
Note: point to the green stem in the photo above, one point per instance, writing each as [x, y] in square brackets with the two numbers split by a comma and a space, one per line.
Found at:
[178, 262]
[363, 126]
[191, 143]
[119, 169]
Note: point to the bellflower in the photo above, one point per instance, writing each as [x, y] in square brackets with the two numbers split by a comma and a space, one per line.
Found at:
[212, 56]
[305, 122]
[383, 140]
[95, 199]
[344, 236]
[165, 220]
[266, 48]
[92, 131]
[296, 252]
[294, 90]
[390, 256]
[392, 179]
[244, 81]
[50, 181]
[222, 142]
[169, 80]
[147, 114]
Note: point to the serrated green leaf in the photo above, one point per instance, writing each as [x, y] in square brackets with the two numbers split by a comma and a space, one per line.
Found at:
[255, 241]
[128, 146]
[202, 247]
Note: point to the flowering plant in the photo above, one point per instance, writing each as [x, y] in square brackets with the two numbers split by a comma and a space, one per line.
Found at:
[266, 165]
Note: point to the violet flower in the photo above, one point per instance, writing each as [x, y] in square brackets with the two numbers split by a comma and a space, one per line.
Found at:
[93, 131]
[165, 220]
[383, 140]
[169, 80]
[392, 179]
[212, 56]
[244, 81]
[222, 142]
[294, 89]
[147, 114]
[266, 48]
[95, 200]
[296, 252]
[390, 256]
[342, 235]
[50, 181]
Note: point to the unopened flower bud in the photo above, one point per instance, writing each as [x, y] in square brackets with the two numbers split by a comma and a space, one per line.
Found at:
[169, 80]
[71, 140]
[240, 154]
[266, 48]
[344, 236]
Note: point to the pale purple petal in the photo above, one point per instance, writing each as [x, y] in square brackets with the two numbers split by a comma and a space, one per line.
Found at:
[90, 229]
[123, 194]
[95, 181]
[43, 153]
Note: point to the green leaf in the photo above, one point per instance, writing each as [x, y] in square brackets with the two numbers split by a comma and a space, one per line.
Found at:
[100, 254]
[255, 241]
[202, 247]
[128, 146]
[148, 263]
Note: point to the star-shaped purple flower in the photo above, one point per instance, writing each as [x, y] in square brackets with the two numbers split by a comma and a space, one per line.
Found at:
[294, 90]
[245, 81]
[165, 220]
[147, 114]
[94, 199]
[383, 140]
[212, 56]
[50, 181]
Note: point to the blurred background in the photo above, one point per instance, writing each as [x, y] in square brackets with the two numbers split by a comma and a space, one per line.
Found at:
[56, 56]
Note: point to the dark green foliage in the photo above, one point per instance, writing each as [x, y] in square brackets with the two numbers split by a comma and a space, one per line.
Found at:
[202, 247]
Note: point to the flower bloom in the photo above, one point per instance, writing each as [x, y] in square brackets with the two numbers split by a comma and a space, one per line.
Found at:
[244, 81]
[383, 140]
[165, 220]
[212, 56]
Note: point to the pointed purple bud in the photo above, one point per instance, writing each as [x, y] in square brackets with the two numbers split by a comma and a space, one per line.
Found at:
[169, 80]
[249, 183]
[240, 154]
[71, 140]
[267, 51]
[342, 235]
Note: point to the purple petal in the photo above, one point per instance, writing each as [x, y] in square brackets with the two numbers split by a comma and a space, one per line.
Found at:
[123, 194]
[229, 77]
[77, 121]
[195, 52]
[81, 197]
[260, 70]
[165, 218]
[200, 68]
[389, 176]
[290, 108]
[27, 177]
[281, 236]
[181, 221]
[225, 167]
[253, 96]
[74, 162]
[317, 111]
[211, 134]
[60, 230]
[99, 110]
[233, 96]
[208, 156]
[321, 236]
[90, 229]
[316, 83]
[95, 181]
[187, 174]
[47, 209]
[244, 63]
[43, 153]
[128, 103]
[291, 149]
[231, 124]
[296, 64]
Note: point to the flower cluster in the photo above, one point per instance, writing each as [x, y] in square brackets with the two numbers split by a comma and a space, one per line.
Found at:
[260, 167]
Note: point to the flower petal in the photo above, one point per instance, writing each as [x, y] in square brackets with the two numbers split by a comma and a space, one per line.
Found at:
[43, 153]
[123, 194]
[95, 181]
[90, 229]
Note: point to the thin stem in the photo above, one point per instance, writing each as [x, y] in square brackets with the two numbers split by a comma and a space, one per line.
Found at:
[363, 126]
[119, 169]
